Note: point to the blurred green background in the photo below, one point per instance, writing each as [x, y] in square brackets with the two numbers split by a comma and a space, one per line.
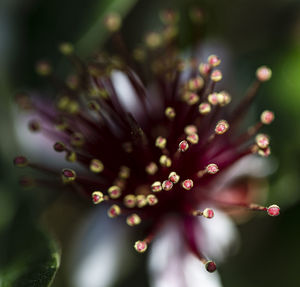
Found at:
[254, 32]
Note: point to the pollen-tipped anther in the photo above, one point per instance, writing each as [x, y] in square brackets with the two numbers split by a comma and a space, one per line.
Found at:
[174, 177]
[187, 184]
[208, 213]
[263, 73]
[170, 113]
[264, 152]
[141, 200]
[133, 219]
[193, 138]
[210, 266]
[267, 117]
[223, 98]
[221, 127]
[213, 99]
[140, 246]
[152, 199]
[262, 141]
[273, 210]
[167, 185]
[113, 22]
[160, 142]
[214, 60]
[165, 161]
[156, 186]
[204, 108]
[68, 175]
[114, 211]
[196, 84]
[114, 192]
[216, 76]
[97, 197]
[212, 168]
[183, 146]
[20, 161]
[204, 69]
[151, 168]
[190, 129]
[129, 200]
[96, 166]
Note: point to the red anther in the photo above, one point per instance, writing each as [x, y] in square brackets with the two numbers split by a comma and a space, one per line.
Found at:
[213, 99]
[59, 147]
[273, 210]
[114, 211]
[170, 113]
[96, 166]
[264, 152]
[174, 177]
[221, 127]
[191, 98]
[208, 213]
[167, 185]
[262, 141]
[160, 142]
[151, 168]
[133, 219]
[97, 197]
[20, 161]
[193, 138]
[210, 266]
[140, 246]
[214, 60]
[190, 129]
[156, 186]
[263, 73]
[204, 108]
[129, 200]
[216, 76]
[152, 199]
[187, 184]
[223, 98]
[141, 201]
[68, 175]
[196, 83]
[183, 146]
[204, 69]
[114, 192]
[212, 168]
[267, 117]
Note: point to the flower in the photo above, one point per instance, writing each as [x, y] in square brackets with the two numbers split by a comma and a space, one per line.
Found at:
[153, 139]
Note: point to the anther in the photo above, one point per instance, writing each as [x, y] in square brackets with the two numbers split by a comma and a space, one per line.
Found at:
[113, 22]
[141, 200]
[183, 146]
[216, 76]
[170, 113]
[212, 168]
[124, 172]
[156, 186]
[263, 73]
[210, 266]
[207, 213]
[193, 138]
[20, 161]
[160, 142]
[133, 219]
[174, 177]
[167, 185]
[140, 246]
[152, 199]
[165, 161]
[151, 168]
[267, 117]
[273, 210]
[196, 84]
[129, 200]
[262, 141]
[71, 156]
[68, 175]
[190, 98]
[187, 184]
[66, 48]
[59, 147]
[190, 129]
[223, 98]
[214, 60]
[114, 192]
[114, 211]
[96, 166]
[213, 99]
[97, 197]
[204, 69]
[221, 127]
[264, 152]
[204, 108]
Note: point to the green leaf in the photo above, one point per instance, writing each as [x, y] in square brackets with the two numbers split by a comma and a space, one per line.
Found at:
[96, 33]
[28, 257]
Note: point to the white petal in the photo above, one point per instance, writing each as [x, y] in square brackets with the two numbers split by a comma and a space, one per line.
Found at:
[98, 252]
[218, 237]
[171, 263]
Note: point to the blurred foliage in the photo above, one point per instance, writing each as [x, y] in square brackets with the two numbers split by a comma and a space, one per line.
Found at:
[256, 32]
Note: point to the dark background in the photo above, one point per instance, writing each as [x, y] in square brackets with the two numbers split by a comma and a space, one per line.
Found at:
[255, 32]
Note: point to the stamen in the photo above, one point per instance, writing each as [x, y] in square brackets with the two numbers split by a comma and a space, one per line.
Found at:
[210, 266]
[114, 211]
[152, 199]
[160, 142]
[210, 169]
[183, 146]
[133, 219]
[196, 84]
[21, 161]
[187, 184]
[216, 76]
[264, 152]
[267, 117]
[167, 185]
[141, 200]
[140, 246]
[214, 60]
[129, 200]
[213, 99]
[174, 177]
[223, 98]
[273, 210]
[221, 127]
[170, 113]
[193, 138]
[204, 108]
[263, 73]
[190, 129]
[97, 197]
[207, 213]
[165, 161]
[68, 175]
[204, 69]
[114, 192]
[156, 186]
[96, 166]
[190, 98]
[71, 156]
[262, 141]
[151, 168]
